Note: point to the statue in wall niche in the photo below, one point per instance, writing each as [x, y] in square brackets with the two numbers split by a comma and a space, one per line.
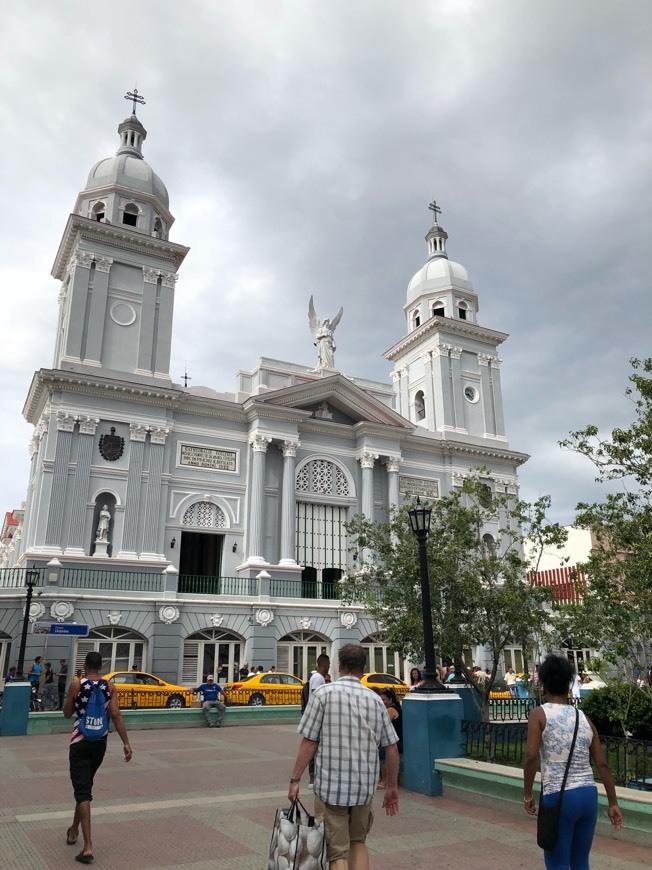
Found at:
[323, 331]
[102, 533]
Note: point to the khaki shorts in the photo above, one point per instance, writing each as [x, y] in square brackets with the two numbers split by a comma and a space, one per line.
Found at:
[345, 826]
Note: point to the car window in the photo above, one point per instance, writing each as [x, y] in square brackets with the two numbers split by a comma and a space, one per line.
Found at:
[379, 678]
[270, 679]
[123, 679]
[289, 680]
[147, 680]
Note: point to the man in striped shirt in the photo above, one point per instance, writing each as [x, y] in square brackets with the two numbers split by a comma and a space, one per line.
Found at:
[342, 727]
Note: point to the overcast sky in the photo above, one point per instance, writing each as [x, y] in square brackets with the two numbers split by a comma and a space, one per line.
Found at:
[301, 143]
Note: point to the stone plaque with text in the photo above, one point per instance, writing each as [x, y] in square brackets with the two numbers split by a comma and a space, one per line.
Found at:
[208, 457]
[419, 486]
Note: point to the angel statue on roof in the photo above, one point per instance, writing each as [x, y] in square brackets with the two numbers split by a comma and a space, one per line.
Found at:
[322, 331]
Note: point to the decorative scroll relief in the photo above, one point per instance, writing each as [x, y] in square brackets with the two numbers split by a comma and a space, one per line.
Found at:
[458, 478]
[264, 617]
[208, 457]
[137, 432]
[216, 620]
[114, 617]
[289, 449]
[486, 359]
[36, 610]
[169, 279]
[259, 443]
[393, 463]
[88, 425]
[61, 610]
[418, 486]
[367, 459]
[168, 614]
[65, 422]
[150, 276]
[305, 623]
[157, 435]
[103, 264]
[348, 619]
[80, 258]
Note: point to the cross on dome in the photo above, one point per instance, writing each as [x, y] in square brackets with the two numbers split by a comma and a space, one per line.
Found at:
[135, 98]
[434, 208]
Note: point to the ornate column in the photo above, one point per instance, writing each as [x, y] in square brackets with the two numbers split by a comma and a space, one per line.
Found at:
[157, 436]
[367, 461]
[288, 548]
[78, 509]
[97, 312]
[257, 498]
[456, 386]
[393, 464]
[57, 501]
[137, 436]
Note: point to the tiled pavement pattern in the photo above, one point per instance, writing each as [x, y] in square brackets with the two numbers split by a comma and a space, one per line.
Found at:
[204, 799]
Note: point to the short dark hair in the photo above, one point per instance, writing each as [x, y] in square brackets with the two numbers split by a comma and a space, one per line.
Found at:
[93, 661]
[555, 674]
[323, 658]
[352, 657]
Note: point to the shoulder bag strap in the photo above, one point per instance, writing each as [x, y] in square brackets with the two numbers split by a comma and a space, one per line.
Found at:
[570, 754]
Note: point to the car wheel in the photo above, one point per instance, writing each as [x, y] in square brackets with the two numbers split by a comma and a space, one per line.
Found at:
[257, 700]
[175, 702]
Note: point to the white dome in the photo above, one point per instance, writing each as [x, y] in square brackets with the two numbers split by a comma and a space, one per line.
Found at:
[438, 274]
[128, 171]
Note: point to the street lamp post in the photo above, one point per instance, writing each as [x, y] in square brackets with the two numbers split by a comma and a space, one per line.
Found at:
[31, 579]
[420, 522]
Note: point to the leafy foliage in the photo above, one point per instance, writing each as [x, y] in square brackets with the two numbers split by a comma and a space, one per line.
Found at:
[620, 709]
[478, 587]
[616, 612]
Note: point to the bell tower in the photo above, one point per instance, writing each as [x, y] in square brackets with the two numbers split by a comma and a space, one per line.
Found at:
[446, 368]
[118, 269]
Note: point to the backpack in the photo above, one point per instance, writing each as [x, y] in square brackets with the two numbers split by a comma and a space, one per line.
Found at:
[305, 695]
[94, 724]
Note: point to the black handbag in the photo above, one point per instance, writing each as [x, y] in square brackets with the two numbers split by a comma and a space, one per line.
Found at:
[548, 817]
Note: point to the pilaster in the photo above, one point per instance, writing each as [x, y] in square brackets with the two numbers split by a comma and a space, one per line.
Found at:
[65, 427]
[259, 444]
[288, 544]
[137, 436]
[153, 494]
[78, 507]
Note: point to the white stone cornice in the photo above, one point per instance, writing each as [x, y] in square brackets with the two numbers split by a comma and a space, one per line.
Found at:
[259, 443]
[137, 432]
[367, 459]
[434, 326]
[88, 425]
[65, 422]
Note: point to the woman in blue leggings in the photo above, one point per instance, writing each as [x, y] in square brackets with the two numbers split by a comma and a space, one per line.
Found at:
[549, 736]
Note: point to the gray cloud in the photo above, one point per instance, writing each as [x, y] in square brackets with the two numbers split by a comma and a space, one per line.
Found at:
[301, 142]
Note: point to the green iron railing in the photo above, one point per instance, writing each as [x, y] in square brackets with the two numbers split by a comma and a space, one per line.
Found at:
[195, 584]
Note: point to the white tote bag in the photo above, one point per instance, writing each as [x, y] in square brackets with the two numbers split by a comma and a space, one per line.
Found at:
[298, 840]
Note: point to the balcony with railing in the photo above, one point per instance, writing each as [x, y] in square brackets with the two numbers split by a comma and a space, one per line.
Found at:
[157, 582]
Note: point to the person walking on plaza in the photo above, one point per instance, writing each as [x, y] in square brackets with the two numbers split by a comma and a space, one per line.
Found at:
[316, 680]
[49, 697]
[510, 682]
[211, 692]
[550, 735]
[86, 756]
[342, 728]
[62, 678]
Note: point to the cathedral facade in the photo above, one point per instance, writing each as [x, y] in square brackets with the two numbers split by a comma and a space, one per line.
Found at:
[194, 530]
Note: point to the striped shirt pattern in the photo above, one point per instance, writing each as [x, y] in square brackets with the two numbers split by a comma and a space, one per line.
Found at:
[81, 702]
[350, 722]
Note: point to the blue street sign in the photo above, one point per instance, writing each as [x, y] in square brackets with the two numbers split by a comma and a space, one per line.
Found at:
[60, 628]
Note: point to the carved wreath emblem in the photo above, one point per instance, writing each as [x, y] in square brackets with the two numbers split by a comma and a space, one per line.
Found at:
[111, 446]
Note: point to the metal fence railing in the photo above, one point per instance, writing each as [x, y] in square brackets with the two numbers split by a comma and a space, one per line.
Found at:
[259, 696]
[93, 578]
[630, 760]
[195, 584]
[135, 698]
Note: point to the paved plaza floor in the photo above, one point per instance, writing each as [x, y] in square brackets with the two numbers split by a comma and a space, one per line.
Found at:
[204, 799]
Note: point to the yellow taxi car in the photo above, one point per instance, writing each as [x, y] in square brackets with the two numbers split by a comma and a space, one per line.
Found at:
[138, 689]
[260, 689]
[379, 681]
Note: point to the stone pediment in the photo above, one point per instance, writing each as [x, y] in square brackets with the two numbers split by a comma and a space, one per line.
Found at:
[335, 400]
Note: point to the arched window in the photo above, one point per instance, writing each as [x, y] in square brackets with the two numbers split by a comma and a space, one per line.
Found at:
[120, 648]
[130, 214]
[99, 211]
[322, 477]
[463, 311]
[438, 309]
[296, 653]
[204, 515]
[158, 228]
[420, 406]
[416, 319]
[211, 651]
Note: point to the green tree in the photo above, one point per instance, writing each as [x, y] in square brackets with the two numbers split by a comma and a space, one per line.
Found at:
[615, 614]
[479, 590]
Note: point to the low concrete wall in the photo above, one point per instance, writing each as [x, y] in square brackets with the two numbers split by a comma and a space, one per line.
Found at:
[54, 723]
[492, 785]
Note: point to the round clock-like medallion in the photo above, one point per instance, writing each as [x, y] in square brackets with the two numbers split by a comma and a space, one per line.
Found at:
[471, 394]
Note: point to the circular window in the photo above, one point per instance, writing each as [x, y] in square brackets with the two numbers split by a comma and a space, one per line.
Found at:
[471, 394]
[123, 313]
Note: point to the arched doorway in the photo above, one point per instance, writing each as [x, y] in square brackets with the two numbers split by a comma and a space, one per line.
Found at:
[211, 651]
[296, 653]
[120, 648]
[5, 653]
[381, 658]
